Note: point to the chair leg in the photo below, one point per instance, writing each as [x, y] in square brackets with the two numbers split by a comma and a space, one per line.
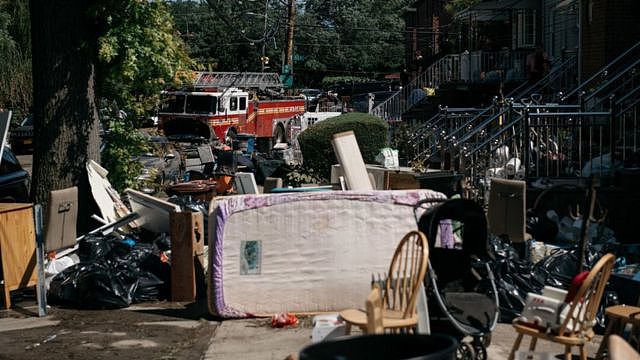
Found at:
[532, 344]
[583, 352]
[347, 328]
[516, 346]
[603, 343]
[567, 352]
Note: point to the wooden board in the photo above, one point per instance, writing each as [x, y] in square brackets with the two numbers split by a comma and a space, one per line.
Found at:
[348, 153]
[17, 248]
[187, 254]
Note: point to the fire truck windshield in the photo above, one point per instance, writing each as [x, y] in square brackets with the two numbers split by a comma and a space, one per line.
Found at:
[201, 104]
[172, 103]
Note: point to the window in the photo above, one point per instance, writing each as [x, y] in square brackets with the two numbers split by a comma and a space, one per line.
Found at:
[200, 104]
[524, 26]
[243, 103]
[233, 103]
[172, 103]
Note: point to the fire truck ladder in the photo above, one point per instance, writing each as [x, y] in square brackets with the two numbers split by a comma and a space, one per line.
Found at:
[244, 80]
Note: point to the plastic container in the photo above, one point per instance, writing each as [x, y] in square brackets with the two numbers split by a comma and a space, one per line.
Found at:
[245, 143]
[384, 347]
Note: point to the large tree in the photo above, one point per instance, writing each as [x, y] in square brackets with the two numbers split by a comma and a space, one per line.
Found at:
[65, 113]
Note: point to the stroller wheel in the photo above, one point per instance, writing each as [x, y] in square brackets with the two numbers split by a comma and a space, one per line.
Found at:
[465, 352]
[486, 340]
[481, 351]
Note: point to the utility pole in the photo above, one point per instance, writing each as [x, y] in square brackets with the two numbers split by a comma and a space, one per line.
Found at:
[290, 30]
[287, 68]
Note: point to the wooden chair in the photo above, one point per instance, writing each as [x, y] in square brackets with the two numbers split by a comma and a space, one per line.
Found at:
[620, 349]
[576, 329]
[507, 210]
[406, 273]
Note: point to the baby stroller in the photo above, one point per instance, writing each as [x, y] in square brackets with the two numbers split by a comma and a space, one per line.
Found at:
[461, 290]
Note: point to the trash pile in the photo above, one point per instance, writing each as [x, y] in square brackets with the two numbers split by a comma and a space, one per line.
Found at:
[516, 276]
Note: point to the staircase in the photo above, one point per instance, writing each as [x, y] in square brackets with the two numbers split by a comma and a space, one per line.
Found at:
[544, 132]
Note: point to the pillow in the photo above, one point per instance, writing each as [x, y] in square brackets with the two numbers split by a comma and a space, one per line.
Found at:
[576, 283]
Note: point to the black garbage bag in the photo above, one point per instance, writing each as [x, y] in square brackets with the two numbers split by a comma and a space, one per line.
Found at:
[129, 272]
[99, 285]
[93, 247]
[514, 279]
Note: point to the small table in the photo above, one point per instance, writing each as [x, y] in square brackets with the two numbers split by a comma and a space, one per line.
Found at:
[619, 316]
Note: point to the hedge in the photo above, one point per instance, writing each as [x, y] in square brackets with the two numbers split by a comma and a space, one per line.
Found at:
[315, 142]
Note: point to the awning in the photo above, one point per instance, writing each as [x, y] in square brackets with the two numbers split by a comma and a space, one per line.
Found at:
[495, 10]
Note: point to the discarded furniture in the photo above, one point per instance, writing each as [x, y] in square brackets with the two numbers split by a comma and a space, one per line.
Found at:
[382, 178]
[375, 311]
[619, 317]
[303, 251]
[406, 273]
[245, 183]
[187, 254]
[577, 327]
[507, 210]
[154, 212]
[348, 153]
[203, 190]
[17, 248]
[271, 183]
[62, 215]
[620, 349]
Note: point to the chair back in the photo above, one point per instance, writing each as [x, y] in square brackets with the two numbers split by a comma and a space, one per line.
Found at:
[582, 312]
[507, 209]
[406, 272]
[373, 306]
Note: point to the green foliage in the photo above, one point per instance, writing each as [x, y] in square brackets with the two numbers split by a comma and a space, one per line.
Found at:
[122, 143]
[455, 6]
[299, 175]
[315, 142]
[140, 53]
[15, 58]
[330, 80]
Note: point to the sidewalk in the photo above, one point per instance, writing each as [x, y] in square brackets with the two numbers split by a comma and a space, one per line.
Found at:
[254, 339]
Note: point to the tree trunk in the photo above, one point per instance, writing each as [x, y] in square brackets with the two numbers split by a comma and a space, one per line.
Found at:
[64, 106]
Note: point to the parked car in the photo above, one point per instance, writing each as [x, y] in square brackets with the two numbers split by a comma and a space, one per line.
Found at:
[22, 136]
[360, 102]
[14, 180]
[311, 96]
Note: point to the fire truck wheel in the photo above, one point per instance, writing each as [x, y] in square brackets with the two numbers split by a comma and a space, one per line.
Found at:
[231, 135]
[278, 135]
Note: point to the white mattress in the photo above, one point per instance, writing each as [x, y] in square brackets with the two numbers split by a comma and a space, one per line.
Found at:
[303, 252]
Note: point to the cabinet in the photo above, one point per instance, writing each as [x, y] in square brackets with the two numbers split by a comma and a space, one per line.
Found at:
[17, 248]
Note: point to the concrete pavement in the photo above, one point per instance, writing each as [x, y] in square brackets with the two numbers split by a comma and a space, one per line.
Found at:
[254, 339]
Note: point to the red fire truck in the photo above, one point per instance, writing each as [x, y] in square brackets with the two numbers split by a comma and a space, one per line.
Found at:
[221, 105]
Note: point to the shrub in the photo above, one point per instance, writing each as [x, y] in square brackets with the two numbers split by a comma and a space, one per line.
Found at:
[315, 142]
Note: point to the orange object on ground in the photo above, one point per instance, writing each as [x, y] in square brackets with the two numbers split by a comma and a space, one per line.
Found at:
[284, 319]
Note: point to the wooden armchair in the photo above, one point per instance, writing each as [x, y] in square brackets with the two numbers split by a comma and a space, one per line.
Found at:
[576, 328]
[406, 273]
